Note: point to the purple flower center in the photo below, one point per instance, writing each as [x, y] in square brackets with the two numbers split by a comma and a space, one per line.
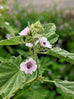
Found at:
[29, 65]
[44, 43]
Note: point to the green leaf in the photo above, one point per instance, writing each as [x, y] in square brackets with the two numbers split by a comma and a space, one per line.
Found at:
[11, 78]
[37, 93]
[2, 59]
[66, 86]
[13, 41]
[61, 53]
[4, 53]
[49, 32]
[52, 39]
[11, 30]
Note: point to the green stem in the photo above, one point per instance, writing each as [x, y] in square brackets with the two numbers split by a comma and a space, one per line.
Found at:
[36, 59]
[42, 52]
[16, 97]
[49, 81]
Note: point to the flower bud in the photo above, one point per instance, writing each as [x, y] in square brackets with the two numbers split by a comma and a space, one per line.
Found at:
[36, 28]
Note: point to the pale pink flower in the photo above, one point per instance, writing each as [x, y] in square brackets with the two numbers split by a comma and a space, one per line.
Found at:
[29, 45]
[8, 36]
[61, 27]
[1, 7]
[66, 24]
[29, 66]
[44, 42]
[7, 23]
[49, 72]
[25, 31]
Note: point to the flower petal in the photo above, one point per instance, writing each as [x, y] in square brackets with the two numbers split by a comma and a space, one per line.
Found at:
[22, 66]
[29, 45]
[44, 42]
[24, 32]
[34, 68]
[48, 45]
[29, 71]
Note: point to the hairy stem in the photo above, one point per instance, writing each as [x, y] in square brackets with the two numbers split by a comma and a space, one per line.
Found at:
[36, 59]
[42, 52]
[49, 81]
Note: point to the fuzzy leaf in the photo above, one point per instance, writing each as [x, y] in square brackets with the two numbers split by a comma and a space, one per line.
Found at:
[37, 93]
[11, 78]
[66, 86]
[49, 32]
[13, 41]
[61, 53]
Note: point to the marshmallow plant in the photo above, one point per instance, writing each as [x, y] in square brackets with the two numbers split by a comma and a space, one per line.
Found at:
[40, 39]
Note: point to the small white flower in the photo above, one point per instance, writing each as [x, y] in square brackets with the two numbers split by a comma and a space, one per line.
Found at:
[8, 36]
[61, 27]
[25, 31]
[7, 23]
[44, 42]
[29, 66]
[66, 24]
[29, 45]
[1, 7]
[49, 72]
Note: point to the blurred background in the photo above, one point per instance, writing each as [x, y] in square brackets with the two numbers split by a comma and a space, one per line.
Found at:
[14, 17]
[44, 5]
